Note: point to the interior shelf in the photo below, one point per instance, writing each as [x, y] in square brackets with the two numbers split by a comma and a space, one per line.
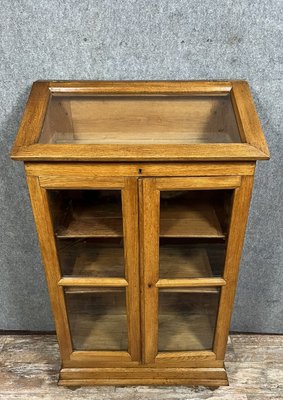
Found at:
[100, 259]
[88, 258]
[191, 261]
[193, 220]
[183, 262]
[189, 219]
[99, 220]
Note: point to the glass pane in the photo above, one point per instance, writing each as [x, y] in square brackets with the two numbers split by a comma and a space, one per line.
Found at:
[97, 318]
[88, 257]
[195, 214]
[187, 319]
[88, 227]
[193, 229]
[189, 260]
[140, 119]
[86, 213]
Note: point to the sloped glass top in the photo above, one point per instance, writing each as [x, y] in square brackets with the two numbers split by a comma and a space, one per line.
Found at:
[129, 119]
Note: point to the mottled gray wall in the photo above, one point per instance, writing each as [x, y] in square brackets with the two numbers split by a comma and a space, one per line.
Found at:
[126, 39]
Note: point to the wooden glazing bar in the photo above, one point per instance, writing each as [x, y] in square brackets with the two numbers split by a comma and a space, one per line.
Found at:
[91, 281]
[194, 282]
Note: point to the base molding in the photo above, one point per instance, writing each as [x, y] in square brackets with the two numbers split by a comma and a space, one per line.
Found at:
[212, 377]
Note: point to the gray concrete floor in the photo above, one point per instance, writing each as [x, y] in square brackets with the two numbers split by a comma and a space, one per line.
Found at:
[29, 366]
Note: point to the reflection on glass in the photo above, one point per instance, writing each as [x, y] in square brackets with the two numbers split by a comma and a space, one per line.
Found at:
[97, 318]
[187, 318]
[140, 120]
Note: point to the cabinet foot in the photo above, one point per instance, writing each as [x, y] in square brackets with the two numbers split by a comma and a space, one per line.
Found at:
[72, 387]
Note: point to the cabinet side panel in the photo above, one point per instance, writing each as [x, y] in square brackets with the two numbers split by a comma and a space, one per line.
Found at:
[44, 228]
[239, 217]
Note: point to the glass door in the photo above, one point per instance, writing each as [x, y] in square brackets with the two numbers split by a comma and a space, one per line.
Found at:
[185, 230]
[96, 236]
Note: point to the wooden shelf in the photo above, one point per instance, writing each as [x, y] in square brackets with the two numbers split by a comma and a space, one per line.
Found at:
[91, 259]
[192, 220]
[102, 227]
[176, 261]
[91, 221]
[191, 261]
[183, 262]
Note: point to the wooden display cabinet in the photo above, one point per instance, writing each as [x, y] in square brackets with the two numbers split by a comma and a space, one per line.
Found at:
[140, 193]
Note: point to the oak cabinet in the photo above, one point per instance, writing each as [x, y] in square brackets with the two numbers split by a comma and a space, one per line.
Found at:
[140, 193]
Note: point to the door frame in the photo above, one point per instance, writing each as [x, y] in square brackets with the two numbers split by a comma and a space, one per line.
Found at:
[149, 191]
[39, 185]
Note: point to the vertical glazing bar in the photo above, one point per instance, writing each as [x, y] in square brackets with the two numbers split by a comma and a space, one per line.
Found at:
[150, 264]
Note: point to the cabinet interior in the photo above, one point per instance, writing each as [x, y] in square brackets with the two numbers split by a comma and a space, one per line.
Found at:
[188, 259]
[88, 226]
[98, 213]
[140, 120]
[97, 318]
[91, 257]
[187, 319]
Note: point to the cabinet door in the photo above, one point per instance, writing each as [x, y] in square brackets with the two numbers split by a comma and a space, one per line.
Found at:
[192, 232]
[88, 230]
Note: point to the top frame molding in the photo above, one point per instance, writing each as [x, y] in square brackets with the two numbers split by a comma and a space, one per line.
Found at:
[253, 146]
